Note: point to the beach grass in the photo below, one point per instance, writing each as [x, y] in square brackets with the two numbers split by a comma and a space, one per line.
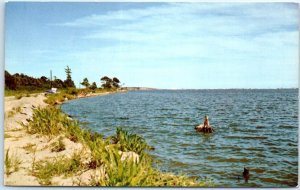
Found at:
[118, 168]
[11, 163]
[21, 93]
[73, 93]
[130, 142]
[58, 145]
[53, 99]
[49, 122]
[45, 170]
[14, 111]
[29, 147]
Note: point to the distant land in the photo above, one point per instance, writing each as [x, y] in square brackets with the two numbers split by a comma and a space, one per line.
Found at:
[148, 88]
[139, 88]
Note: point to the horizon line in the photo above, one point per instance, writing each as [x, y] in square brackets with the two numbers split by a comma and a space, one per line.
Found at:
[153, 88]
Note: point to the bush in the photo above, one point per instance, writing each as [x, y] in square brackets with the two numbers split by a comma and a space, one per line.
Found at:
[72, 91]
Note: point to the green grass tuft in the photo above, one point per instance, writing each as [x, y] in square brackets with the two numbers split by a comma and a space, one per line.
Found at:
[30, 147]
[19, 96]
[46, 170]
[11, 163]
[58, 146]
[49, 121]
[130, 142]
[14, 111]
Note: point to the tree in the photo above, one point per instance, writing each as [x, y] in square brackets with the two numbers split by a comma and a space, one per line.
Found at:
[69, 82]
[116, 82]
[106, 82]
[57, 83]
[44, 79]
[10, 81]
[110, 83]
[85, 83]
[68, 73]
[93, 86]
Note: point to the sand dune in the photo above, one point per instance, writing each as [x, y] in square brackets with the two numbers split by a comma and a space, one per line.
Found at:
[31, 148]
[16, 140]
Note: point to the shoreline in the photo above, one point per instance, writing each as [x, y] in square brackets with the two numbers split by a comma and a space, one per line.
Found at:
[16, 140]
[100, 94]
[30, 149]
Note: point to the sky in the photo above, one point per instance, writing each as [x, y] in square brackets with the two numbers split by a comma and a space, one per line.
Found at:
[159, 45]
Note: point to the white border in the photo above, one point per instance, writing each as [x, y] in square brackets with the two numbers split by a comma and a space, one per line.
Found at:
[2, 31]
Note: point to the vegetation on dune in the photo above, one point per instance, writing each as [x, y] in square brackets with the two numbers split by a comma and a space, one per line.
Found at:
[58, 146]
[18, 94]
[72, 93]
[45, 170]
[49, 122]
[14, 111]
[11, 163]
[69, 94]
[130, 142]
[107, 155]
[30, 147]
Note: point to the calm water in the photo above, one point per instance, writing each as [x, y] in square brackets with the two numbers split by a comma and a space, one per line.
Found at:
[254, 128]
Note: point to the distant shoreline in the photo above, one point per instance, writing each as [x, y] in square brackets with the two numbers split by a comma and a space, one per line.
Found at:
[147, 88]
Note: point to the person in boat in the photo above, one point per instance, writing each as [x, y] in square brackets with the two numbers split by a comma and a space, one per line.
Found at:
[206, 122]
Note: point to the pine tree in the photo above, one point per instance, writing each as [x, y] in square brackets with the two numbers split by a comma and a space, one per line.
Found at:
[69, 82]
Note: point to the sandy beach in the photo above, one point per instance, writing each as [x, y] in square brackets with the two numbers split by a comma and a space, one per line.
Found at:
[16, 139]
[30, 149]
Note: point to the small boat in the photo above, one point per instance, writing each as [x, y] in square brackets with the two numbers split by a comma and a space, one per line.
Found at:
[201, 128]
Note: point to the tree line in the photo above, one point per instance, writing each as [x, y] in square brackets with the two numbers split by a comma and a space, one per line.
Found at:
[24, 82]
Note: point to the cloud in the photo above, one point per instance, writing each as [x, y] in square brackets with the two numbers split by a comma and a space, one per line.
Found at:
[229, 44]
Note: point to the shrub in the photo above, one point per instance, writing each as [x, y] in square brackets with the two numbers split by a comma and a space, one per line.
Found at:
[72, 91]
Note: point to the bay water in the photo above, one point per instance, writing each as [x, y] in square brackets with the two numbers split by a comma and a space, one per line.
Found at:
[256, 129]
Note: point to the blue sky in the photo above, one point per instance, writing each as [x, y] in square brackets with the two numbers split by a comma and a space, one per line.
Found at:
[162, 45]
